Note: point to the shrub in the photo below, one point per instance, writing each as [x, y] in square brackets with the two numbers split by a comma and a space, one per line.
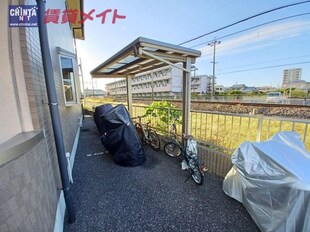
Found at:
[165, 111]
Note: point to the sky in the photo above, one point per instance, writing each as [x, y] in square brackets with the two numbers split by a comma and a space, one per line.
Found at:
[254, 52]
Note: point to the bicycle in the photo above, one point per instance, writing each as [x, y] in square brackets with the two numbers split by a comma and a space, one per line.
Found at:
[175, 152]
[147, 134]
[189, 153]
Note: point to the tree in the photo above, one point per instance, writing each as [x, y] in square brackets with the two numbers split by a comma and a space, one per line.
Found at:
[297, 93]
[234, 92]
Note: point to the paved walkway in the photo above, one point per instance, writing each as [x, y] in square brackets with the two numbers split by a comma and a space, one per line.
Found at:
[150, 197]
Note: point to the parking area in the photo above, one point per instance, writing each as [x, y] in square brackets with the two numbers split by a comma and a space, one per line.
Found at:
[152, 197]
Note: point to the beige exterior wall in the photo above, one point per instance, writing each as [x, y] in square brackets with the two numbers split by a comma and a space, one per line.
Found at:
[29, 198]
[60, 36]
[15, 113]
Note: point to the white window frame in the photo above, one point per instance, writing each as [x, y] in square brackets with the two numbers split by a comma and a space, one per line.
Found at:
[68, 55]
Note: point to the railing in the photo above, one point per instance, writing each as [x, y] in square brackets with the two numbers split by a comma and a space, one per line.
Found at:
[219, 134]
[226, 131]
[230, 130]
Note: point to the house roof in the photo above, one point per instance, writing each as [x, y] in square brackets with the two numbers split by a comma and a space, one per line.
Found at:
[142, 55]
[249, 89]
[238, 86]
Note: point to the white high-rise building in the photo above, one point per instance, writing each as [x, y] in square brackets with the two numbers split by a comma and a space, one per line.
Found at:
[290, 76]
[162, 82]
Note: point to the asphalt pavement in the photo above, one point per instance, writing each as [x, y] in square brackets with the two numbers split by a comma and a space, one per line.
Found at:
[156, 196]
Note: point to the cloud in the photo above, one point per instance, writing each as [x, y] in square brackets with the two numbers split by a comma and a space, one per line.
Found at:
[259, 38]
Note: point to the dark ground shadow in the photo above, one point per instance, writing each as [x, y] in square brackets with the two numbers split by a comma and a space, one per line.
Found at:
[150, 197]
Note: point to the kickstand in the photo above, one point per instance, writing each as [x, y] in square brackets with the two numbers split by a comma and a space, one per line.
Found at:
[187, 179]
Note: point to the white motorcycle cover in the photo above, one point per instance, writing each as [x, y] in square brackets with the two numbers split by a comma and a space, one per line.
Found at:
[272, 180]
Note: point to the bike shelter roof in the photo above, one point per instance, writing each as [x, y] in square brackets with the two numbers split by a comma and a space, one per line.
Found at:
[143, 55]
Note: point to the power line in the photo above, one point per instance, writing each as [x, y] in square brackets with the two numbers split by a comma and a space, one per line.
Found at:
[266, 62]
[266, 67]
[246, 19]
[250, 28]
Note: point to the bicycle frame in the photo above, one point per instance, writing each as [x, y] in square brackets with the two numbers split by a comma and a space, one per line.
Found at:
[190, 157]
[144, 127]
[180, 145]
[172, 134]
[147, 134]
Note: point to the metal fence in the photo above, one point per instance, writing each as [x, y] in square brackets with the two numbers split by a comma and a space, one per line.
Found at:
[219, 134]
[226, 131]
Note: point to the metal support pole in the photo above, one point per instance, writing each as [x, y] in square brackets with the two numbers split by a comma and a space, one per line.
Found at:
[152, 85]
[163, 60]
[259, 128]
[186, 120]
[129, 93]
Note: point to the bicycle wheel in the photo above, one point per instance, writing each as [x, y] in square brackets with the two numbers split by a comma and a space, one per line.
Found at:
[139, 130]
[154, 140]
[172, 149]
[196, 174]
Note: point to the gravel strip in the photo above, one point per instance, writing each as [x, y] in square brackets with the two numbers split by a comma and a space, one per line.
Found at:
[150, 197]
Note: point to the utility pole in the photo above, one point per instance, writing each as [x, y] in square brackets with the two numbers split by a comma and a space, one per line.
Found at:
[213, 44]
[82, 77]
[92, 84]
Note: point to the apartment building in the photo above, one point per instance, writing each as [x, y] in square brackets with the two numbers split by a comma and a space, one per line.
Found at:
[290, 76]
[201, 84]
[162, 82]
[94, 92]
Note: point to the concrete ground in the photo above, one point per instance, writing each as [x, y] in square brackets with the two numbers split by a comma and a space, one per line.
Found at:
[150, 197]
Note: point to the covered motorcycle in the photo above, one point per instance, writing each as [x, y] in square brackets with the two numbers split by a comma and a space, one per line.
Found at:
[99, 112]
[120, 137]
[272, 180]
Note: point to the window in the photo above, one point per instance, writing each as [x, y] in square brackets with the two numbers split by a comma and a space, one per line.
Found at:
[68, 77]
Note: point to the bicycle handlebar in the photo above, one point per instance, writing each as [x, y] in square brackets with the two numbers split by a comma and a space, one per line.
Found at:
[139, 117]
